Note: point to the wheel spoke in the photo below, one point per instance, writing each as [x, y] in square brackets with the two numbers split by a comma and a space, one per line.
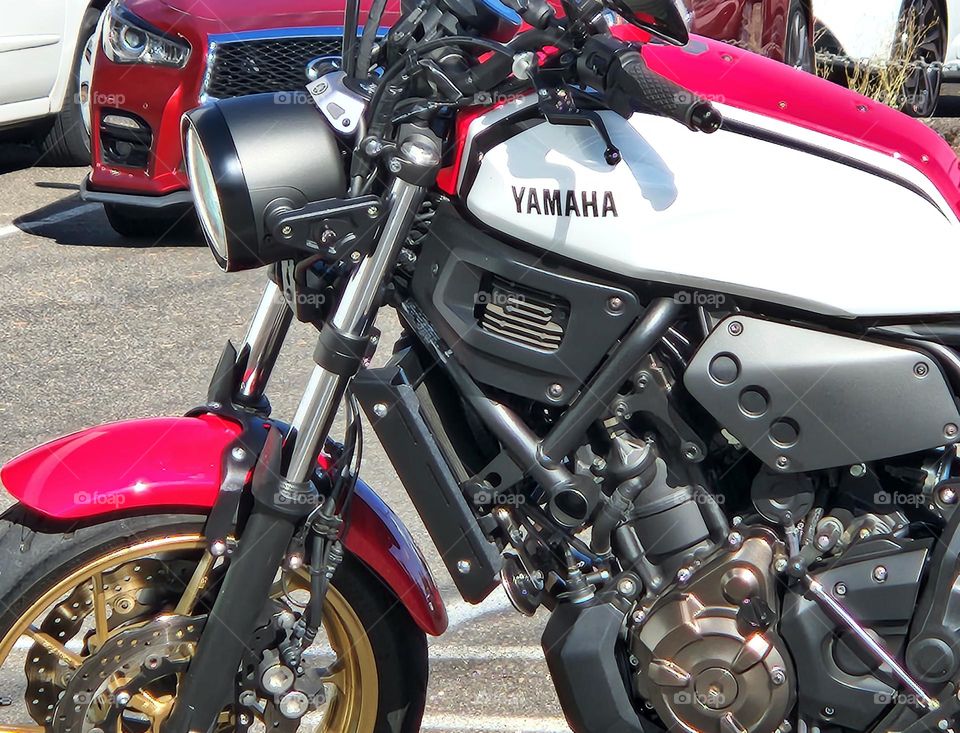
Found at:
[100, 630]
[54, 647]
[198, 581]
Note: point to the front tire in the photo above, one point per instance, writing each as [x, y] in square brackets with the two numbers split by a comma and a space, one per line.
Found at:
[67, 142]
[137, 222]
[48, 587]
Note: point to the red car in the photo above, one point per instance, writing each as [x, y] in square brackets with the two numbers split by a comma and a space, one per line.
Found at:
[159, 58]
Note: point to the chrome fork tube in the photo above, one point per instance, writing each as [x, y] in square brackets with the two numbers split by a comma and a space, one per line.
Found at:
[352, 316]
[261, 345]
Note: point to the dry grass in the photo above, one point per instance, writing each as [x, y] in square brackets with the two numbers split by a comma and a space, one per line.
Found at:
[884, 80]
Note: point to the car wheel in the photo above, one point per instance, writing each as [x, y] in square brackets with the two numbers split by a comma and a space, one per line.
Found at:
[922, 38]
[67, 141]
[798, 48]
[154, 224]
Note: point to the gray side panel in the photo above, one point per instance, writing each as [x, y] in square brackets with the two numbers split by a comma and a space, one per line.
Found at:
[803, 400]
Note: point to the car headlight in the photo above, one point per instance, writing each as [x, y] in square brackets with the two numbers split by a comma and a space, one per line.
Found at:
[247, 158]
[128, 39]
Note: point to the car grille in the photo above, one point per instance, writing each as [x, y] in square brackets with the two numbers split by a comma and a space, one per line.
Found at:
[242, 67]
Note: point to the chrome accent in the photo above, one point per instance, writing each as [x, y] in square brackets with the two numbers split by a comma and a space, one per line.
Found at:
[840, 613]
[265, 335]
[324, 390]
[343, 108]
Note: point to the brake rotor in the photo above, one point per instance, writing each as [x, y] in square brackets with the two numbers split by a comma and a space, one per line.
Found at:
[133, 677]
[132, 593]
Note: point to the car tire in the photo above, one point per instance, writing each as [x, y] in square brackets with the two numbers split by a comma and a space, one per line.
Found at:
[922, 90]
[156, 224]
[67, 141]
[798, 50]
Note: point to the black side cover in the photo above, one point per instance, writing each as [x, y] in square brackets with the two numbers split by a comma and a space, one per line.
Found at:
[426, 475]
[579, 643]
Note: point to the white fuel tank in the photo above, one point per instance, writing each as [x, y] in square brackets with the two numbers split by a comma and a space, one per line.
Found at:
[761, 209]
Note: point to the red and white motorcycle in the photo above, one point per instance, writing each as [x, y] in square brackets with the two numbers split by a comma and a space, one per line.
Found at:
[694, 395]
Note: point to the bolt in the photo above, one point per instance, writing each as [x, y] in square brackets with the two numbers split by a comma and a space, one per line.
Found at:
[434, 269]
[828, 711]
[822, 542]
[684, 575]
[778, 676]
[840, 589]
[691, 451]
[295, 561]
[626, 587]
[395, 166]
[245, 719]
[948, 496]
[372, 147]
[950, 430]
[880, 573]
[346, 122]
[783, 463]
[248, 698]
[320, 88]
[615, 304]
[921, 370]
[555, 391]
[152, 662]
[734, 540]
[735, 328]
[599, 464]
[238, 453]
[620, 409]
[639, 616]
[463, 567]
[373, 212]
[328, 236]
[380, 409]
[355, 256]
[218, 548]
[123, 699]
[286, 230]
[858, 470]
[943, 724]
[780, 564]
[634, 662]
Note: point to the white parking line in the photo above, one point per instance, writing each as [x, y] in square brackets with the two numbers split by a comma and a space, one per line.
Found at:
[461, 612]
[447, 721]
[468, 653]
[60, 216]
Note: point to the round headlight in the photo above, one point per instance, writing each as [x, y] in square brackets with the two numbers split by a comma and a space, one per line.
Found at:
[248, 156]
[205, 197]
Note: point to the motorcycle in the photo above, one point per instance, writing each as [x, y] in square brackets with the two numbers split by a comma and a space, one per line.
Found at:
[632, 390]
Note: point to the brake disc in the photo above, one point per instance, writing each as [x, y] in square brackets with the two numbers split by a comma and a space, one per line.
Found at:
[133, 593]
[132, 677]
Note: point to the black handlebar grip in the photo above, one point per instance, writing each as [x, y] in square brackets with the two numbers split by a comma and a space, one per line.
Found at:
[651, 92]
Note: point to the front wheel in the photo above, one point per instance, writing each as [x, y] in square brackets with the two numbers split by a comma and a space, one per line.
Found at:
[99, 625]
[798, 50]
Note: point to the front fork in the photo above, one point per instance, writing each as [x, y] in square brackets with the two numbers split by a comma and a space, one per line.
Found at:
[281, 504]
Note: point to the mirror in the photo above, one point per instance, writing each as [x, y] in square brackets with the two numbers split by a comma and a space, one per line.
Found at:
[660, 18]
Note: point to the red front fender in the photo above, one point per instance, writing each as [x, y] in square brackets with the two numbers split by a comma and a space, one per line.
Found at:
[175, 463]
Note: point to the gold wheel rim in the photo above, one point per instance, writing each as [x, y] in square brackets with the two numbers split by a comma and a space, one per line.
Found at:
[353, 709]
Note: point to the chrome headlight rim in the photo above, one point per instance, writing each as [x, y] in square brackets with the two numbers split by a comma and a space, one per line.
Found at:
[129, 39]
[205, 131]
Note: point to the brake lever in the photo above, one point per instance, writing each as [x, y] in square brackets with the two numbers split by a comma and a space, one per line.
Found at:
[556, 102]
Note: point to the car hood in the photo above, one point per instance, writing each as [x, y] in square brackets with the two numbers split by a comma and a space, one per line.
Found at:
[231, 16]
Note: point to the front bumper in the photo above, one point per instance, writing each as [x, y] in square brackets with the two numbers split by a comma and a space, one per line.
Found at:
[172, 199]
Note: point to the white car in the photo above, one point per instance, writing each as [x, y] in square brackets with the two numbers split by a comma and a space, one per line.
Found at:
[46, 56]
[871, 30]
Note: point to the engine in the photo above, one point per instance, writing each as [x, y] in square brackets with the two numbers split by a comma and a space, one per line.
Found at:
[708, 655]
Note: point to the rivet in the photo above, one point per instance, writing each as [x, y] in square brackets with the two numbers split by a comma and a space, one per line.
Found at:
[380, 409]
[463, 567]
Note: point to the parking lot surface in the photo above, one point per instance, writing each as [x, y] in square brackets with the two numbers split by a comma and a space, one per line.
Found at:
[95, 328]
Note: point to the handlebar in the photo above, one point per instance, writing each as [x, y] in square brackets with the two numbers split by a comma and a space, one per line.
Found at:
[631, 86]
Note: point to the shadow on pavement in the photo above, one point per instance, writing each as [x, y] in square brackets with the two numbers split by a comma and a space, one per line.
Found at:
[72, 222]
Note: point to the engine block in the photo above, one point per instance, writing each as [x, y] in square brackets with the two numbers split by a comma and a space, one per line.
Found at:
[709, 656]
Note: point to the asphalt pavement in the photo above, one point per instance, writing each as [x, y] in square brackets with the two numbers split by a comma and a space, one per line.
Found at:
[95, 328]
